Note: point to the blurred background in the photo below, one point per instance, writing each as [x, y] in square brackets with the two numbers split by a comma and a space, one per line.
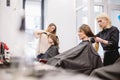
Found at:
[20, 18]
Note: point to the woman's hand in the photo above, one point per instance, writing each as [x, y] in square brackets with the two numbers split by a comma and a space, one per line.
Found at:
[98, 39]
[37, 33]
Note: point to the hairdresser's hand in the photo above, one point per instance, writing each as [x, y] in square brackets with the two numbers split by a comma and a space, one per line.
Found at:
[37, 33]
[97, 39]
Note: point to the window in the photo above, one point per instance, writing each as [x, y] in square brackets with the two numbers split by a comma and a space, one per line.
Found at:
[97, 1]
[114, 1]
[97, 9]
[33, 21]
[81, 13]
[82, 16]
[33, 15]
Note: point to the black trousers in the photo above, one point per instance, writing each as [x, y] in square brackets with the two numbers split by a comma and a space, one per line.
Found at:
[110, 57]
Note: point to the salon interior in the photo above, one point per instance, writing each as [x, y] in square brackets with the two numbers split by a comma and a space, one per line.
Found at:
[20, 18]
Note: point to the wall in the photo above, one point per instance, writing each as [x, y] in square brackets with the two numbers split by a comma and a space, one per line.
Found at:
[10, 18]
[62, 13]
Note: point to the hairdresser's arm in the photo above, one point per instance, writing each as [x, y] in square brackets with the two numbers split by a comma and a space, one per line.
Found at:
[37, 33]
[98, 39]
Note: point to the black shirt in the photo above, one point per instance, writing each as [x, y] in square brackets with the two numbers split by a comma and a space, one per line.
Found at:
[112, 36]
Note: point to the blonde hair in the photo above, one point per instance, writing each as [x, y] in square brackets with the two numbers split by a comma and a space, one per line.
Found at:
[106, 17]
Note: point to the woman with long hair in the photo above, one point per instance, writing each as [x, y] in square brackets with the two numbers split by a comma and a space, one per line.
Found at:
[109, 38]
[52, 51]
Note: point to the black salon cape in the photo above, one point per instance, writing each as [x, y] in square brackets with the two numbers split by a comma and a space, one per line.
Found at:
[51, 52]
[82, 58]
[111, 72]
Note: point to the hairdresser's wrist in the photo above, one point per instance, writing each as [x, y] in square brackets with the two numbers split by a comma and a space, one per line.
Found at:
[103, 41]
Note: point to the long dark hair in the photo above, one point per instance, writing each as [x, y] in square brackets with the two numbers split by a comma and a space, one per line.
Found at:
[88, 32]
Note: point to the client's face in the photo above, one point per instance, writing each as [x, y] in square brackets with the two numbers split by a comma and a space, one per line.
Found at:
[81, 35]
[50, 40]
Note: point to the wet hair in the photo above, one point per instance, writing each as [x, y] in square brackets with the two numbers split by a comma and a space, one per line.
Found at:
[86, 29]
[49, 26]
[54, 38]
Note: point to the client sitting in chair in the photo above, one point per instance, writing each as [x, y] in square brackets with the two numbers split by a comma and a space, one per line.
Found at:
[82, 58]
[52, 51]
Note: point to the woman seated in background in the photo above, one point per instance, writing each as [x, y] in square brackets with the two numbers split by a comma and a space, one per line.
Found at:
[82, 58]
[42, 35]
[52, 50]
